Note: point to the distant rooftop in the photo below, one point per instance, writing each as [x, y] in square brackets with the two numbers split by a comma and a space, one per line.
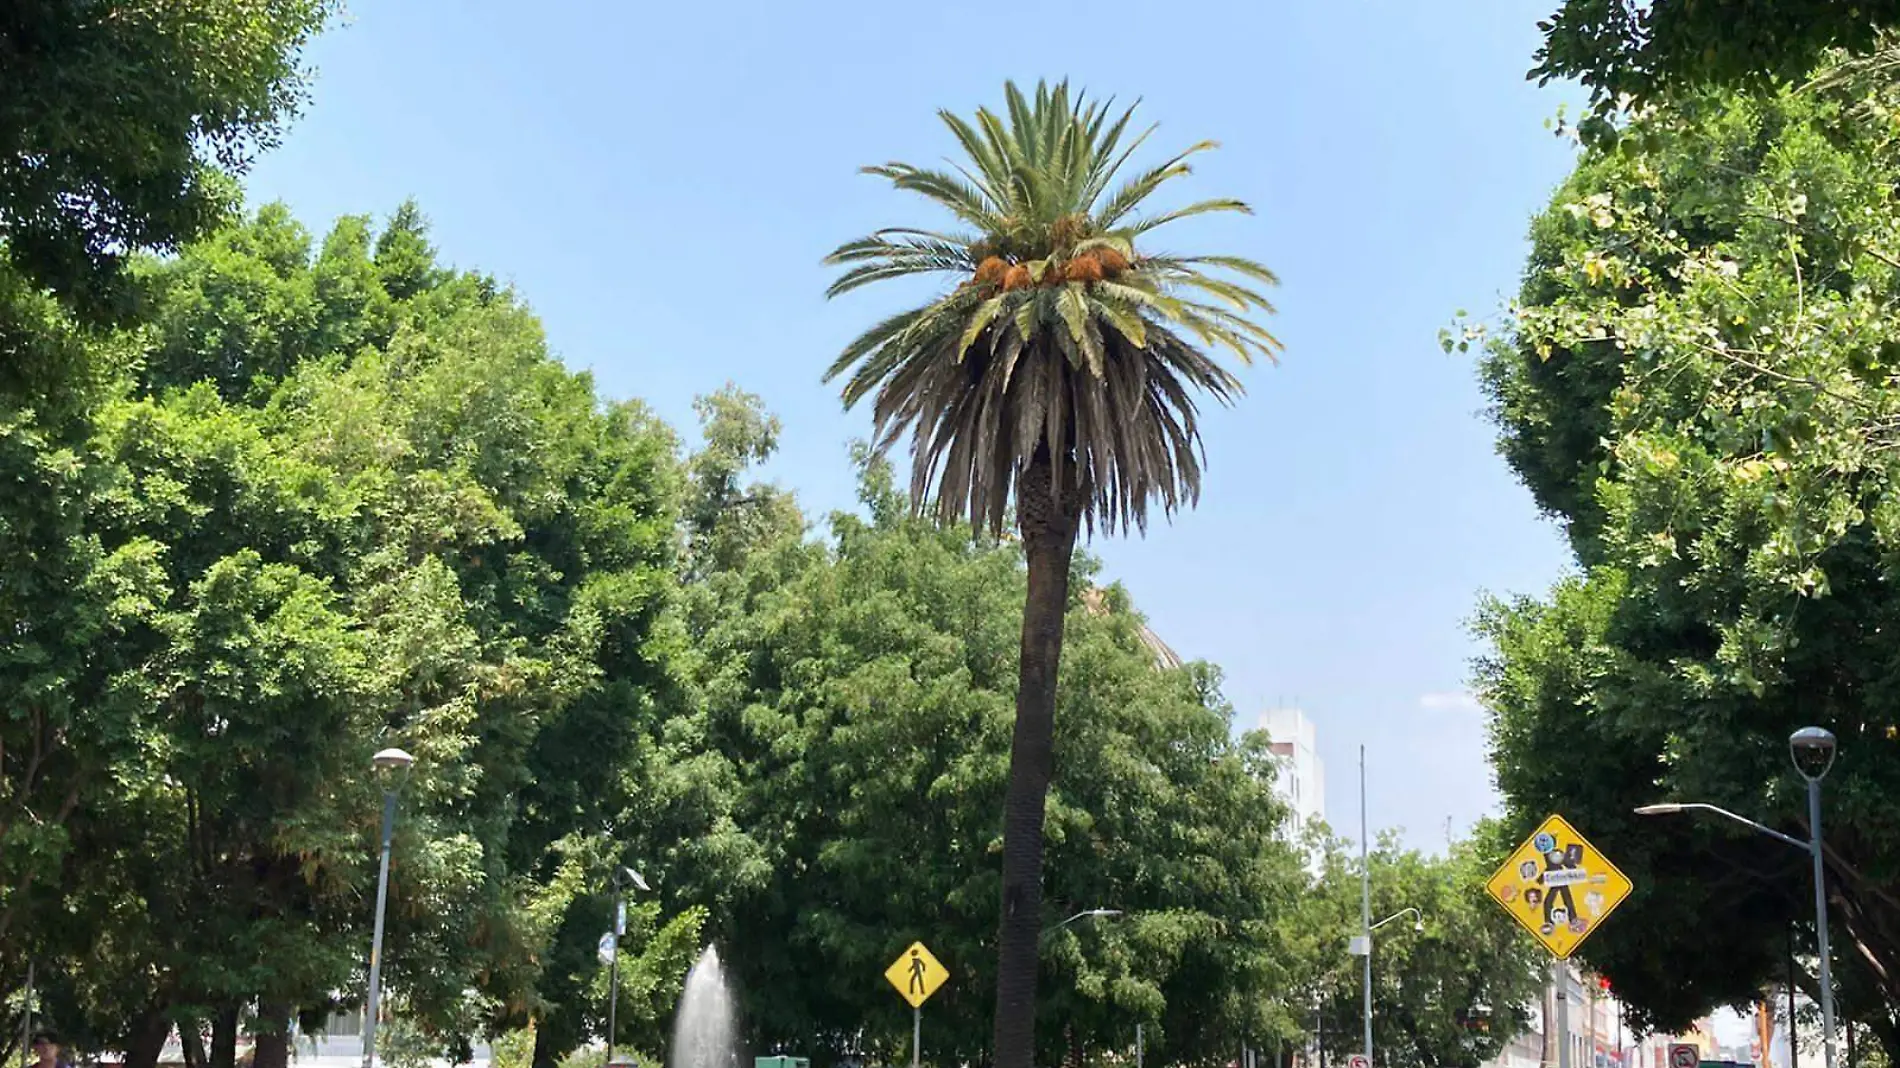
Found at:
[1095, 600]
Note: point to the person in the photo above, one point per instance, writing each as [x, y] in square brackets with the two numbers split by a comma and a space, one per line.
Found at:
[46, 1051]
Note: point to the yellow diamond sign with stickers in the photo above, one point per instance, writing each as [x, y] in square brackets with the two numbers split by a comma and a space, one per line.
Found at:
[1559, 887]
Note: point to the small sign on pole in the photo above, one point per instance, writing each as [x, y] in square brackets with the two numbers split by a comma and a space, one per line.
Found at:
[1358, 1060]
[1684, 1055]
[916, 975]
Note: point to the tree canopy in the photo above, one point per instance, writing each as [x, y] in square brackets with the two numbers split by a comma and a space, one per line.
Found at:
[319, 503]
[1624, 48]
[1452, 981]
[1698, 380]
[856, 700]
[121, 122]
[325, 496]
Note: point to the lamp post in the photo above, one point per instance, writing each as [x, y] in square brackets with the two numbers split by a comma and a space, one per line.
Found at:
[1362, 947]
[1365, 904]
[622, 878]
[1812, 750]
[393, 766]
[1085, 914]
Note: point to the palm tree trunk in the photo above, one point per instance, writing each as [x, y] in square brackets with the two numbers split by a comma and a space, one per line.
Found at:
[1049, 528]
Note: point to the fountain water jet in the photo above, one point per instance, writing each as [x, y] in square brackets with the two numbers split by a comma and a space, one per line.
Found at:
[706, 1024]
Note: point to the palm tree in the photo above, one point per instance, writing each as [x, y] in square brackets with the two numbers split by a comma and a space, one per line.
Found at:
[1060, 374]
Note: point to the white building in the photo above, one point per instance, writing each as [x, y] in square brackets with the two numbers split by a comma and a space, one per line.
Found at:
[1302, 779]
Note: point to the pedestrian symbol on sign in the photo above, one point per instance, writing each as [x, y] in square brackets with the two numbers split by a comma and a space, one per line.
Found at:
[918, 969]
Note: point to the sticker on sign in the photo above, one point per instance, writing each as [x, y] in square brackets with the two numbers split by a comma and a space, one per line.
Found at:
[1684, 1055]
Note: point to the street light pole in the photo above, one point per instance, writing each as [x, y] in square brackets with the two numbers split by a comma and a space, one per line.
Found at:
[1365, 903]
[394, 765]
[622, 876]
[1812, 749]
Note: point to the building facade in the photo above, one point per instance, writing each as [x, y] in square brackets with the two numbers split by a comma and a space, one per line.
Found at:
[1301, 782]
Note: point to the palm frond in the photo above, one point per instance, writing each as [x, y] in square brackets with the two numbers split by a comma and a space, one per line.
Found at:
[1203, 207]
[1142, 186]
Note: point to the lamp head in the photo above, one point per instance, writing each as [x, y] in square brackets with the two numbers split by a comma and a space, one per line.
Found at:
[1813, 751]
[1664, 809]
[1419, 926]
[1105, 912]
[627, 876]
[392, 760]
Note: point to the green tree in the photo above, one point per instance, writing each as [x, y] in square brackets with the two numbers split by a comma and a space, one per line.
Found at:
[1647, 50]
[1699, 381]
[856, 695]
[116, 121]
[1059, 377]
[311, 518]
[1452, 982]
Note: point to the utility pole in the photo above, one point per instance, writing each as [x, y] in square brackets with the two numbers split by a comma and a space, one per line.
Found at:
[1365, 900]
[1562, 973]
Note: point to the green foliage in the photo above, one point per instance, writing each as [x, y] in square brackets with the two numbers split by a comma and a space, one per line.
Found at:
[1699, 380]
[1619, 47]
[512, 1049]
[116, 122]
[1469, 956]
[857, 694]
[337, 503]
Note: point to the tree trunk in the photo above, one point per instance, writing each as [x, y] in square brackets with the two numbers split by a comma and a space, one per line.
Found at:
[271, 1046]
[191, 1038]
[1049, 526]
[545, 1054]
[224, 1028]
[146, 1038]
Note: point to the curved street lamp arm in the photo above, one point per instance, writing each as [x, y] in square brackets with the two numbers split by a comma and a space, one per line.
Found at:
[1396, 915]
[1698, 806]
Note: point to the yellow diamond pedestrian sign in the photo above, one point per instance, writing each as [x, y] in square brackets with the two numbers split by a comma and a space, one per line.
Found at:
[916, 974]
[1559, 887]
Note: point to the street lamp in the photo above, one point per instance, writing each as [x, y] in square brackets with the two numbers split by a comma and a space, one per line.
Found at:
[1812, 750]
[1416, 915]
[1361, 946]
[621, 879]
[392, 766]
[1091, 914]
[1085, 914]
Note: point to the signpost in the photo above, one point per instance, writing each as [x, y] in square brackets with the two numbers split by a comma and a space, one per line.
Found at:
[1684, 1055]
[916, 975]
[1561, 889]
[1358, 1060]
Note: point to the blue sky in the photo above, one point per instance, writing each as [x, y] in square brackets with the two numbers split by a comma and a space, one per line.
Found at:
[661, 181]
